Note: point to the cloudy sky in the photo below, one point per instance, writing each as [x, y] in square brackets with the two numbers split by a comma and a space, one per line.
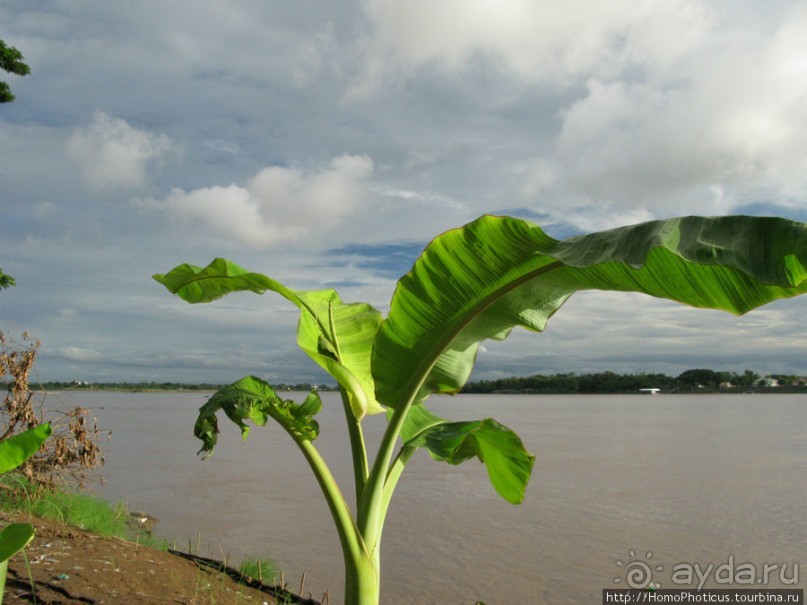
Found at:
[325, 142]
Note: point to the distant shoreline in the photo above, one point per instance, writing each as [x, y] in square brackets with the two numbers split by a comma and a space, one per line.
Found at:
[785, 390]
[698, 381]
[139, 387]
[789, 390]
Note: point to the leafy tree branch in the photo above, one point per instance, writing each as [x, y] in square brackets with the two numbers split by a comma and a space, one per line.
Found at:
[11, 61]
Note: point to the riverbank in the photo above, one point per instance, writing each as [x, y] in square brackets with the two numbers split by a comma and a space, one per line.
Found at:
[69, 565]
[87, 551]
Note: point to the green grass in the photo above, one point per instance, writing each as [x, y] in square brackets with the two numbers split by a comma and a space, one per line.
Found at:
[264, 570]
[78, 509]
[82, 511]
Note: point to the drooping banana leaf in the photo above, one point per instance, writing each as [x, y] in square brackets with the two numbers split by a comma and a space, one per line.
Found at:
[482, 280]
[337, 335]
[508, 464]
[253, 399]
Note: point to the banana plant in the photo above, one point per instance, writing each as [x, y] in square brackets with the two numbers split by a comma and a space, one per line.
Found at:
[13, 452]
[470, 284]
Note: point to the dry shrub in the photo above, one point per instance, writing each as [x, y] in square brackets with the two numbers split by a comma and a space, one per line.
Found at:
[72, 450]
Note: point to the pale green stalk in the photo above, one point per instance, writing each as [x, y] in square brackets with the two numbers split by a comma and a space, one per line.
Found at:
[3, 571]
[370, 517]
[357, 447]
[398, 465]
[349, 536]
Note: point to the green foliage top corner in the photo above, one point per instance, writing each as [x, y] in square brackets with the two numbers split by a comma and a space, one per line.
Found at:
[11, 60]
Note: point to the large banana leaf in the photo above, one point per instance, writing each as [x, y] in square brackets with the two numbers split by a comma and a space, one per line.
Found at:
[484, 279]
[17, 449]
[337, 335]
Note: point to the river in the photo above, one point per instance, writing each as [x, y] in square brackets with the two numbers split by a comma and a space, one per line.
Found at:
[667, 481]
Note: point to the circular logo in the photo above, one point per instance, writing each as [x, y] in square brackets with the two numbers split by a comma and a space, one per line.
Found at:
[639, 572]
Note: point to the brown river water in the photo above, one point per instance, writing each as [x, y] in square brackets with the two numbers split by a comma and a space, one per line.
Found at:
[676, 483]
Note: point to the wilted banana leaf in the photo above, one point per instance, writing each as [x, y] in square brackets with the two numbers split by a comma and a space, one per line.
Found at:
[484, 279]
[253, 399]
[337, 335]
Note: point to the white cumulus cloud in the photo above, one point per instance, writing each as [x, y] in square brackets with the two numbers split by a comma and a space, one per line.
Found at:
[279, 204]
[736, 119]
[113, 154]
[544, 41]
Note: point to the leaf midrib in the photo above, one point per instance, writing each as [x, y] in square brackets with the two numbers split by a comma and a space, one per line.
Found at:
[424, 368]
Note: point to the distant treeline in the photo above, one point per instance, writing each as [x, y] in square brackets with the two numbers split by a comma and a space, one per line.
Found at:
[696, 380]
[159, 386]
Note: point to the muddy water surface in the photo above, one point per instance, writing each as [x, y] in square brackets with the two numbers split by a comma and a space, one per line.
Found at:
[666, 480]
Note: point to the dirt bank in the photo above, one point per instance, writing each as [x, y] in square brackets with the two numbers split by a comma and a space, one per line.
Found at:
[69, 565]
